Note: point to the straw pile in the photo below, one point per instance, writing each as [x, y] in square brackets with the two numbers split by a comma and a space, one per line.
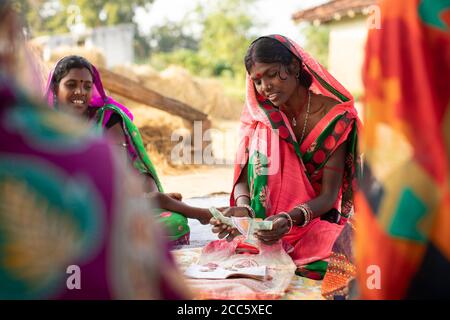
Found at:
[93, 55]
[157, 127]
[205, 95]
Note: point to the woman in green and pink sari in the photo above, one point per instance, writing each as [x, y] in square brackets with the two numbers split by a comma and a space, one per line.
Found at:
[296, 163]
[74, 86]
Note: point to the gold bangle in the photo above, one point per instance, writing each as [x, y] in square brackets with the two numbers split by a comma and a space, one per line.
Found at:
[241, 195]
[307, 214]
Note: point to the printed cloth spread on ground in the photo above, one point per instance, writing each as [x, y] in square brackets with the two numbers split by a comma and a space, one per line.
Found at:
[283, 285]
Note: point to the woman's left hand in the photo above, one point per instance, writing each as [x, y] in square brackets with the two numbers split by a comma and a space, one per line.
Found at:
[279, 229]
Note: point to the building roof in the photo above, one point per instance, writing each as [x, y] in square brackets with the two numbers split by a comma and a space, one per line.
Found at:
[333, 10]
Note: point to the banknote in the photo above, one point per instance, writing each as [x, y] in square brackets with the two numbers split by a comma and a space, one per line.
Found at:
[219, 216]
[243, 224]
[263, 225]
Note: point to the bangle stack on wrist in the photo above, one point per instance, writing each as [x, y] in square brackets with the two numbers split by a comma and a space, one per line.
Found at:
[289, 218]
[307, 214]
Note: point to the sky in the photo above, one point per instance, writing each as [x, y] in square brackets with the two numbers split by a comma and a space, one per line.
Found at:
[277, 13]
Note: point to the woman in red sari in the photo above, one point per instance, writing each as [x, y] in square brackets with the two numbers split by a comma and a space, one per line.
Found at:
[297, 158]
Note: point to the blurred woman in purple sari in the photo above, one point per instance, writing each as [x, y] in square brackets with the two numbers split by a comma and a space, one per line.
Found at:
[72, 222]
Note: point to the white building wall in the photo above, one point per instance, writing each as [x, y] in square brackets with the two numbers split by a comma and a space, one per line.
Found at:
[346, 52]
[116, 43]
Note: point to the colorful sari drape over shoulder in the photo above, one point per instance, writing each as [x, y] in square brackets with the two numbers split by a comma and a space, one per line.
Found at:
[103, 108]
[175, 223]
[403, 207]
[283, 174]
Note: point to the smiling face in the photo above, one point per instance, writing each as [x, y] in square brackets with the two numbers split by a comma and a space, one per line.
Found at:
[75, 91]
[274, 82]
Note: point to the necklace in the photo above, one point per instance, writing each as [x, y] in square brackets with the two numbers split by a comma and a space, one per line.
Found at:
[306, 117]
[294, 120]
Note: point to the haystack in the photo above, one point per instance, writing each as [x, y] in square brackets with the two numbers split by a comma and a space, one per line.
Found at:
[158, 127]
[206, 95]
[93, 55]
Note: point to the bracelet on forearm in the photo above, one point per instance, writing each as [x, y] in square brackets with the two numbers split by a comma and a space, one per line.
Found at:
[250, 210]
[307, 214]
[289, 218]
[241, 195]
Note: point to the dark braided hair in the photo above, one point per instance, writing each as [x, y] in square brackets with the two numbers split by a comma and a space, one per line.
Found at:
[68, 63]
[269, 50]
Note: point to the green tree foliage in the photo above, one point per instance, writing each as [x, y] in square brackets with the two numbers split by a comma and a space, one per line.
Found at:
[226, 36]
[221, 45]
[189, 59]
[317, 38]
[171, 36]
[35, 15]
[55, 16]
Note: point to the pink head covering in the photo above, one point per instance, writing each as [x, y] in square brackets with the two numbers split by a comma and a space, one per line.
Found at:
[99, 97]
[322, 83]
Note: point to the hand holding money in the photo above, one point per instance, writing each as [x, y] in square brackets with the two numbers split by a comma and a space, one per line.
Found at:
[237, 224]
[221, 224]
[280, 227]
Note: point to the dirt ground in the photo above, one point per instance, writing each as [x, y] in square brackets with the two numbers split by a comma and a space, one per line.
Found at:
[200, 182]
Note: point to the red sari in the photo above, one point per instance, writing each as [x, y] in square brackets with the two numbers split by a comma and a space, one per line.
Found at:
[283, 174]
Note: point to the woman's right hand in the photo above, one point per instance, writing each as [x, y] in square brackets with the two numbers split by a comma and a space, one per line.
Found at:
[225, 231]
[175, 195]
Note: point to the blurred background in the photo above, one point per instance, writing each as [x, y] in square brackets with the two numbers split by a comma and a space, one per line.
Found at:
[191, 51]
